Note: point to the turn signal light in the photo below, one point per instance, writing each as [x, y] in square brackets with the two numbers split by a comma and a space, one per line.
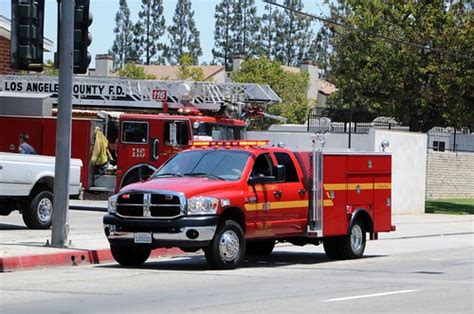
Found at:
[243, 143]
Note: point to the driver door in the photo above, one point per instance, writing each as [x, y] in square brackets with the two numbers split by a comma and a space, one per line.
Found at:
[266, 214]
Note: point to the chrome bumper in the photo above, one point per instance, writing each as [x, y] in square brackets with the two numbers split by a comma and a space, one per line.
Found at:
[185, 234]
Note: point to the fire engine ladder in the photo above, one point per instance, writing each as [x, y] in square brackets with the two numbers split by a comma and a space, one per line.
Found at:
[316, 212]
[146, 94]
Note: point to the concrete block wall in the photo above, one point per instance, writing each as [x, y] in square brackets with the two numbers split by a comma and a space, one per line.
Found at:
[450, 175]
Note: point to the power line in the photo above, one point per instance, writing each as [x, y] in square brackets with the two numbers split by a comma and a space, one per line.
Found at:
[368, 33]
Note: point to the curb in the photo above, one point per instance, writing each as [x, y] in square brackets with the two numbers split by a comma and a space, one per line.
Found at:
[69, 258]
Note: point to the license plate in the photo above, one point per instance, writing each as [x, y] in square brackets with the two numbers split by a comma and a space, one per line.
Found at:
[142, 237]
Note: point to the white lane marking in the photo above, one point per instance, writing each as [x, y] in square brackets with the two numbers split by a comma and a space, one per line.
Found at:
[370, 295]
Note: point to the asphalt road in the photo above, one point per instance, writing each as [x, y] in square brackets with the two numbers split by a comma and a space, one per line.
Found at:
[420, 274]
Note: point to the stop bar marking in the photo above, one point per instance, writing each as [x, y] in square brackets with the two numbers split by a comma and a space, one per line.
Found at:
[370, 295]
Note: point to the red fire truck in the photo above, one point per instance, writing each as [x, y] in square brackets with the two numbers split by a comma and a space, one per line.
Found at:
[140, 139]
[232, 198]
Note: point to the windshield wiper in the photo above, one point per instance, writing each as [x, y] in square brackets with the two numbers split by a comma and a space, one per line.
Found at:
[168, 174]
[203, 174]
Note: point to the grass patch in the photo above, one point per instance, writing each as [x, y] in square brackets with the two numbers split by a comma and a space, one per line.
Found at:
[452, 206]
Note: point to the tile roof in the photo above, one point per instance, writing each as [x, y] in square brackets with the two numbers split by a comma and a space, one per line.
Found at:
[171, 72]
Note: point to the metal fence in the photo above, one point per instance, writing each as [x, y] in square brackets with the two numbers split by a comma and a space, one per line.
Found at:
[448, 139]
[319, 120]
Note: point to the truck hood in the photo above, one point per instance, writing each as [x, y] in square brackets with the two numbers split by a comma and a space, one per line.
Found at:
[187, 185]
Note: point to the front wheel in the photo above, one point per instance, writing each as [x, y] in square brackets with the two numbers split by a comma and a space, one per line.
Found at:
[37, 210]
[227, 249]
[130, 255]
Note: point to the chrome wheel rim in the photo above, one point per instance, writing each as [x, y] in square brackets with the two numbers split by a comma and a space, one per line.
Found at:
[45, 210]
[229, 245]
[356, 238]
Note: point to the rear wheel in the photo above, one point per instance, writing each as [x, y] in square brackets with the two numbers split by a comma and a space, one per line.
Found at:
[227, 249]
[130, 255]
[353, 245]
[37, 210]
[260, 248]
[332, 247]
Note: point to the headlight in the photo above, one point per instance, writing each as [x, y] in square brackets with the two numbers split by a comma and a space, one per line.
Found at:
[202, 205]
[112, 205]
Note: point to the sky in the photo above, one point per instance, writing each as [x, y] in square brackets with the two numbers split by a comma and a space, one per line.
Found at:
[104, 11]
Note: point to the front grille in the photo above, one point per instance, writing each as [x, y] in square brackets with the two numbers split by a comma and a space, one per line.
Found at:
[165, 205]
[149, 205]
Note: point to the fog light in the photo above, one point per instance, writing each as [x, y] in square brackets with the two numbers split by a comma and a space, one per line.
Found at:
[192, 234]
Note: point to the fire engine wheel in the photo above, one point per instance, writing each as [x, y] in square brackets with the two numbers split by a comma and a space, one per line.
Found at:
[227, 249]
[354, 243]
[130, 255]
[332, 247]
[260, 248]
[37, 210]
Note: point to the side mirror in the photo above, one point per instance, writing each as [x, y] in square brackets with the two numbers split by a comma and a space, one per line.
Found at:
[173, 138]
[279, 172]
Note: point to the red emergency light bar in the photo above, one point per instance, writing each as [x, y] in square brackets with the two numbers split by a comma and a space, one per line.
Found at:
[240, 143]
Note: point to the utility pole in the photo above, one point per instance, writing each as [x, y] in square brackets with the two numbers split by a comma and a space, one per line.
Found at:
[59, 235]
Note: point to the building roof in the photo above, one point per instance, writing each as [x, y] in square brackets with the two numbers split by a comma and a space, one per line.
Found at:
[171, 72]
[326, 88]
[5, 31]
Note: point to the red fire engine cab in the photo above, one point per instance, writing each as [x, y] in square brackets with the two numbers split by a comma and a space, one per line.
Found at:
[157, 119]
[232, 198]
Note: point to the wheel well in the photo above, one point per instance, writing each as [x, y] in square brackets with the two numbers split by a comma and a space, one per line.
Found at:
[45, 183]
[365, 218]
[133, 174]
[235, 214]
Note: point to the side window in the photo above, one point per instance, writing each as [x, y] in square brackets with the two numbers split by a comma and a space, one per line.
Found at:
[290, 170]
[134, 132]
[182, 133]
[262, 166]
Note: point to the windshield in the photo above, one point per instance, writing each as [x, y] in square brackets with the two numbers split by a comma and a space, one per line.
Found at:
[213, 164]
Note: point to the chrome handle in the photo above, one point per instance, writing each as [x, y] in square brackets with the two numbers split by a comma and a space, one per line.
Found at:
[155, 149]
[277, 194]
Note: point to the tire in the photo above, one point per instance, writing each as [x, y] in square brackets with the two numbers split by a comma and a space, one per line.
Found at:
[353, 245]
[260, 248]
[227, 248]
[332, 247]
[37, 210]
[130, 255]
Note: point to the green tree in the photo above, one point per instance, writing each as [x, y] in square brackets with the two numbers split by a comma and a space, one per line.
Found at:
[122, 48]
[189, 72]
[419, 87]
[272, 23]
[294, 38]
[245, 28]
[134, 71]
[223, 43]
[150, 28]
[183, 34]
[291, 87]
[49, 69]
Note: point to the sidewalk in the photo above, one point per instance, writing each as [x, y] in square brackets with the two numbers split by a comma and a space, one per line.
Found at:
[21, 248]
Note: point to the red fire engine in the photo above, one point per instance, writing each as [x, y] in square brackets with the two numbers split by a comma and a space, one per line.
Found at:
[232, 198]
[141, 139]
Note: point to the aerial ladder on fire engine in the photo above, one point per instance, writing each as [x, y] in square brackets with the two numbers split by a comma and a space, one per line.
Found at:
[234, 100]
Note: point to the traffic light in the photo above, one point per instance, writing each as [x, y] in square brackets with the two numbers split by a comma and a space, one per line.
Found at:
[27, 35]
[82, 37]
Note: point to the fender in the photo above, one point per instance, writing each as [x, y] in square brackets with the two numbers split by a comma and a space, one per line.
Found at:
[366, 217]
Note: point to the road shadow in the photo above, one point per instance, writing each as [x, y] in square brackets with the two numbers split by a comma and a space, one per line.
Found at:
[12, 227]
[197, 261]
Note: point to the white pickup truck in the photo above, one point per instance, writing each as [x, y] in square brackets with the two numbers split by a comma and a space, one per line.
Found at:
[27, 185]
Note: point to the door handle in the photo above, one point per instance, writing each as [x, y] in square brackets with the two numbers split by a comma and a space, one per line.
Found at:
[155, 149]
[302, 192]
[277, 194]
